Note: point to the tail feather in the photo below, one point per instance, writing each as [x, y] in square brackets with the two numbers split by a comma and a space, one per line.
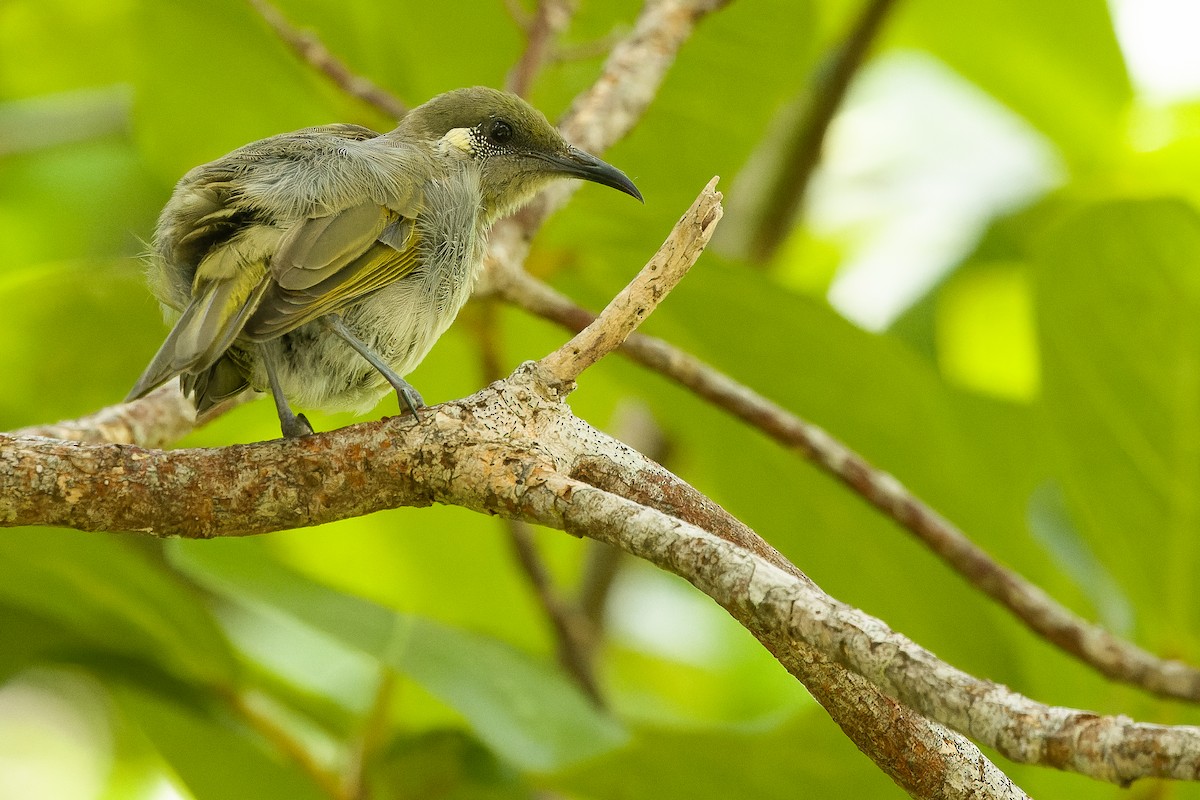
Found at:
[201, 336]
[220, 382]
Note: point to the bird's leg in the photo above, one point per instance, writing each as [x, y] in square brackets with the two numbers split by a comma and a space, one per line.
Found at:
[292, 424]
[408, 396]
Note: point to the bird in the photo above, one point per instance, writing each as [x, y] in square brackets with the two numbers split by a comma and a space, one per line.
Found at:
[322, 265]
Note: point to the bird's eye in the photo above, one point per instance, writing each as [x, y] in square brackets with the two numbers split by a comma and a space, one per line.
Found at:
[501, 132]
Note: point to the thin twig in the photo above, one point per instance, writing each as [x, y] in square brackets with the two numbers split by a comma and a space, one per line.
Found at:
[311, 50]
[371, 736]
[551, 19]
[636, 301]
[287, 744]
[1090, 643]
[802, 152]
[635, 425]
[572, 630]
[519, 13]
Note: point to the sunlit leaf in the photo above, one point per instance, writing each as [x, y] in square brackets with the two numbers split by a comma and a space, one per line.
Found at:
[213, 757]
[1119, 315]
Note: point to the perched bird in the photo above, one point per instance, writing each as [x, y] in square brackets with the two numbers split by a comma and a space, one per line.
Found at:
[322, 265]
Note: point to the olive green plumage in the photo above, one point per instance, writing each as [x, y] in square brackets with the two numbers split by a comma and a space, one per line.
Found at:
[294, 259]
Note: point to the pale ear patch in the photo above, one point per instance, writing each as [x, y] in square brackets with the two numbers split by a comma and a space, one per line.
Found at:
[457, 142]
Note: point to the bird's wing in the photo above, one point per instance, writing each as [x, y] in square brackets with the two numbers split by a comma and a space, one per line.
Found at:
[230, 283]
[326, 263]
[241, 261]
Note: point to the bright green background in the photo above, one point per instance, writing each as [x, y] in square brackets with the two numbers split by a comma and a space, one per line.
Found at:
[1086, 304]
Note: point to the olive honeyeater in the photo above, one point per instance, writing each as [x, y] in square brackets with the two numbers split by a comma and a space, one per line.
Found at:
[322, 265]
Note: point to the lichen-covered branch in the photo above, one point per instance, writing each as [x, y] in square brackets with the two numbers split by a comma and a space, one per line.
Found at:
[1110, 655]
[787, 610]
[159, 419]
[643, 294]
[506, 450]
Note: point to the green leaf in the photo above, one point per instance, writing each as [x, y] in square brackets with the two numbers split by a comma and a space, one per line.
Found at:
[803, 757]
[1119, 316]
[446, 765]
[112, 600]
[214, 758]
[527, 712]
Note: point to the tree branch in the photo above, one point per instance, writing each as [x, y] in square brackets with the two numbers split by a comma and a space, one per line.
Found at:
[802, 151]
[311, 50]
[571, 628]
[159, 419]
[1108, 654]
[495, 452]
[502, 451]
[551, 18]
[509, 450]
[643, 294]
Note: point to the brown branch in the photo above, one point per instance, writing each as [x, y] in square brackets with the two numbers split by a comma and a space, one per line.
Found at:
[311, 50]
[490, 453]
[551, 19]
[788, 610]
[572, 631]
[1090, 643]
[802, 151]
[506, 450]
[498, 452]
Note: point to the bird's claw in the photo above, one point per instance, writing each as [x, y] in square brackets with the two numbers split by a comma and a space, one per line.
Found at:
[296, 427]
[410, 400]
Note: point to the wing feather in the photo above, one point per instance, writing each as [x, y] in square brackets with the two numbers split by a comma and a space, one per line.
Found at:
[391, 254]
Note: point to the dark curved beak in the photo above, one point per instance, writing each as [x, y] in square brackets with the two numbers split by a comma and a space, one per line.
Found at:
[579, 164]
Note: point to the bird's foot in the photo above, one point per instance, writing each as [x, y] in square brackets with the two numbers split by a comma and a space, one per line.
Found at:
[410, 399]
[295, 426]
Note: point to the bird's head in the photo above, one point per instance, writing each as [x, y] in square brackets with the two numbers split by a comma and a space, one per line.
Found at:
[515, 147]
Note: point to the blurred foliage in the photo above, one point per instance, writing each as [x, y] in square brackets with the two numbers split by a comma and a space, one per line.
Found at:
[1044, 395]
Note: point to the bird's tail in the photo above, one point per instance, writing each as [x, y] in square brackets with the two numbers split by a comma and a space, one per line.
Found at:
[202, 335]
